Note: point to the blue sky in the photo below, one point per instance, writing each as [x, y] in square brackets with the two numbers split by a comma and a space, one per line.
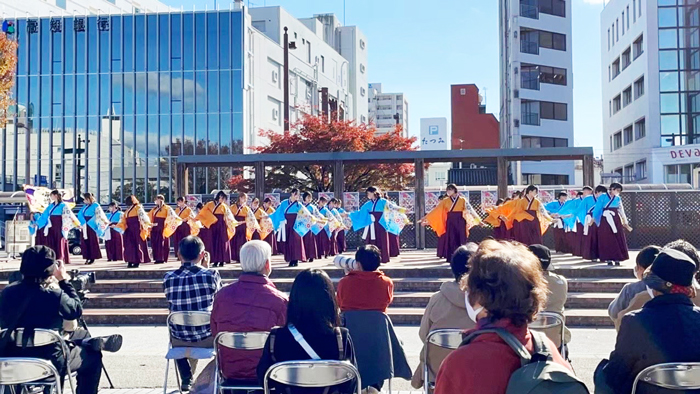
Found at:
[422, 47]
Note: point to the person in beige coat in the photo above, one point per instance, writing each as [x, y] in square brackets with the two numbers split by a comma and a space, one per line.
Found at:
[446, 309]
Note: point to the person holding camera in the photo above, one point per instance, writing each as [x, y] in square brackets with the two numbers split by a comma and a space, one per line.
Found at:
[366, 289]
[35, 302]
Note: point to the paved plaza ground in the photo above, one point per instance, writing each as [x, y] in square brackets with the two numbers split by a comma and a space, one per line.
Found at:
[141, 363]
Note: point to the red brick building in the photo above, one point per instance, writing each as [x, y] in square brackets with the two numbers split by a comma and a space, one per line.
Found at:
[472, 127]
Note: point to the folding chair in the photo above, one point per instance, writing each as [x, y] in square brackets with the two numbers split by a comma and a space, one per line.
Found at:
[446, 339]
[238, 341]
[312, 373]
[671, 376]
[548, 320]
[187, 319]
[26, 371]
[44, 337]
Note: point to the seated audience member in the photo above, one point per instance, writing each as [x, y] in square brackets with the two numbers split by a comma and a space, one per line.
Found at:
[644, 259]
[505, 289]
[369, 289]
[663, 331]
[191, 288]
[446, 309]
[556, 296]
[44, 298]
[253, 303]
[312, 320]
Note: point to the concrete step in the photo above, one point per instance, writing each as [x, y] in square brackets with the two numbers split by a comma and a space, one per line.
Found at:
[599, 285]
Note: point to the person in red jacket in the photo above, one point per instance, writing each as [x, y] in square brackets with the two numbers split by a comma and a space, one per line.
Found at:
[369, 289]
[505, 288]
[253, 303]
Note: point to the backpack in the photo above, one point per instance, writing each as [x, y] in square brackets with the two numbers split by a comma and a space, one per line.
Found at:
[538, 373]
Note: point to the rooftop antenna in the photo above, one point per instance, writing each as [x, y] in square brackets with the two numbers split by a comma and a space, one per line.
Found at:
[344, 24]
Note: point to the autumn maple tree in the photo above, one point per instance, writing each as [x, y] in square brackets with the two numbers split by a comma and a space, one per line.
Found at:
[317, 134]
[8, 64]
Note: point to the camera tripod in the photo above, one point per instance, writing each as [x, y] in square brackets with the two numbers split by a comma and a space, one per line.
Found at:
[83, 324]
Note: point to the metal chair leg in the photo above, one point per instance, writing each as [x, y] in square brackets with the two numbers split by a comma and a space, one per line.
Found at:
[167, 368]
[177, 377]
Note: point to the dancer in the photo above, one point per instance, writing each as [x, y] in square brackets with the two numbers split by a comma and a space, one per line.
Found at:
[310, 237]
[589, 242]
[135, 225]
[188, 227]
[284, 221]
[94, 225]
[267, 232]
[609, 215]
[340, 234]
[568, 215]
[452, 218]
[373, 212]
[217, 217]
[115, 244]
[530, 220]
[494, 218]
[54, 224]
[324, 239]
[165, 223]
[553, 208]
[240, 211]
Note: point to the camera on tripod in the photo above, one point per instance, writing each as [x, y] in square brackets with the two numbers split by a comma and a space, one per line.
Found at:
[347, 263]
[81, 281]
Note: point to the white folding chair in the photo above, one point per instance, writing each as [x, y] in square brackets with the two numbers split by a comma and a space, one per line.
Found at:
[547, 320]
[238, 341]
[445, 338]
[192, 320]
[44, 337]
[671, 376]
[25, 371]
[312, 373]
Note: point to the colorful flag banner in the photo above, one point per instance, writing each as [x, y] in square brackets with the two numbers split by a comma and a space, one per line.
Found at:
[432, 199]
[351, 201]
[304, 221]
[488, 199]
[39, 197]
[192, 200]
[327, 195]
[274, 197]
[407, 200]
[546, 196]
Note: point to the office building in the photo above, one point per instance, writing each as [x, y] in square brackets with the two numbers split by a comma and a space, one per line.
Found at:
[17, 8]
[386, 110]
[105, 103]
[650, 53]
[536, 85]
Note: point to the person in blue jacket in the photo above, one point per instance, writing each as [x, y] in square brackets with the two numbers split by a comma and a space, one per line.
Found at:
[89, 241]
[289, 242]
[553, 209]
[370, 218]
[610, 217]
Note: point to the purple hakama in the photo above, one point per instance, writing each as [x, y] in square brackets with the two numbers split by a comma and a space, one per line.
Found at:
[239, 239]
[612, 246]
[220, 250]
[90, 247]
[115, 246]
[455, 233]
[381, 237]
[294, 246]
[54, 239]
[159, 244]
[589, 246]
[528, 232]
[183, 230]
[135, 248]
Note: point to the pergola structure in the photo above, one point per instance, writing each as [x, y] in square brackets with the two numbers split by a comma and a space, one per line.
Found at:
[338, 159]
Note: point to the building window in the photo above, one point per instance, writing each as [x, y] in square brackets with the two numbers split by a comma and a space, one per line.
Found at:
[623, 23]
[611, 143]
[608, 39]
[640, 129]
[529, 41]
[260, 26]
[553, 75]
[617, 30]
[617, 104]
[553, 111]
[362, 44]
[613, 34]
[638, 46]
[553, 40]
[530, 77]
[640, 8]
[528, 9]
[616, 68]
[530, 112]
[626, 58]
[629, 174]
[627, 96]
[462, 91]
[553, 7]
[362, 92]
[617, 140]
[628, 17]
[628, 135]
[363, 119]
[362, 68]
[544, 142]
[308, 52]
[640, 170]
[545, 179]
[639, 88]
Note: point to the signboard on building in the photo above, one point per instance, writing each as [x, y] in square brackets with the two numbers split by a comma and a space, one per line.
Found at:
[433, 134]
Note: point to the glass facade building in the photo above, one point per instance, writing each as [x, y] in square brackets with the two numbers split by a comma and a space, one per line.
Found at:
[105, 103]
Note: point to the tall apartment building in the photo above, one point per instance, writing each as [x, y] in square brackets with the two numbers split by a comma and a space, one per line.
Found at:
[387, 110]
[650, 53]
[537, 85]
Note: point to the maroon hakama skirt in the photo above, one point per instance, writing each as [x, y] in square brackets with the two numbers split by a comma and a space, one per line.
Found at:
[500, 232]
[115, 246]
[322, 244]
[183, 231]
[294, 246]
[270, 239]
[560, 244]
[239, 239]
[455, 233]
[441, 247]
[54, 239]
[394, 245]
[159, 244]
[333, 243]
[381, 237]
[528, 232]
[205, 236]
[589, 246]
[90, 247]
[135, 248]
[342, 245]
[309, 241]
[573, 243]
[579, 239]
[220, 247]
[612, 246]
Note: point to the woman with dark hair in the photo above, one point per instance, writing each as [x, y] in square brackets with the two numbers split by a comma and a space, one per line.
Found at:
[312, 331]
[165, 223]
[310, 238]
[589, 233]
[92, 219]
[376, 218]
[242, 212]
[504, 290]
[284, 219]
[266, 232]
[452, 218]
[188, 227]
[55, 224]
[609, 215]
[340, 234]
[115, 244]
[530, 220]
[220, 224]
[135, 225]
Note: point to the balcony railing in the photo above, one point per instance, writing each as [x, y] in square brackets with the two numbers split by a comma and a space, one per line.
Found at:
[529, 11]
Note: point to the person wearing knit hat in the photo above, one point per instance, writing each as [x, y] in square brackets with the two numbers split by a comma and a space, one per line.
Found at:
[38, 263]
[663, 331]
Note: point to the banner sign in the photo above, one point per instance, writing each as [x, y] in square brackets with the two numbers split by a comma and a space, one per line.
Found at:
[275, 197]
[351, 201]
[432, 199]
[192, 200]
[488, 199]
[408, 200]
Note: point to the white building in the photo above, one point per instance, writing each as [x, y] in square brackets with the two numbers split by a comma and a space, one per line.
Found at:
[650, 107]
[384, 108]
[537, 84]
[435, 135]
[12, 8]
